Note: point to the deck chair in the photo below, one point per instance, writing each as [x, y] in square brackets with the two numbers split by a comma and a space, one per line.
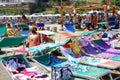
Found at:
[2, 30]
[4, 59]
[101, 45]
[112, 21]
[91, 50]
[23, 26]
[42, 47]
[44, 61]
[76, 61]
[92, 61]
[116, 58]
[24, 29]
[11, 41]
[69, 27]
[21, 59]
[89, 32]
[40, 24]
[47, 60]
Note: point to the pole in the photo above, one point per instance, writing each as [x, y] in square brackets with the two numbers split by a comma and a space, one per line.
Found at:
[62, 21]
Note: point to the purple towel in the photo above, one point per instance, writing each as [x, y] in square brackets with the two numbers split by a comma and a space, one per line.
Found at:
[106, 48]
[106, 55]
[112, 50]
[87, 47]
[90, 50]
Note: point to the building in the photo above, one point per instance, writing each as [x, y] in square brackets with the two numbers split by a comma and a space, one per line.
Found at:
[24, 5]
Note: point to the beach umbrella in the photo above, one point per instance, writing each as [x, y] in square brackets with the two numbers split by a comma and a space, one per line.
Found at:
[92, 12]
[101, 12]
[118, 12]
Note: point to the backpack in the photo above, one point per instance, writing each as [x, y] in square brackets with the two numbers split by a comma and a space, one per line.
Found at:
[61, 73]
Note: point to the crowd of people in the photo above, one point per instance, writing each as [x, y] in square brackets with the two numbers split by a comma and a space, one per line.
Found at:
[90, 20]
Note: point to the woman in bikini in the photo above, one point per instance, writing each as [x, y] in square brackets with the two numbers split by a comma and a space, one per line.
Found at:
[33, 38]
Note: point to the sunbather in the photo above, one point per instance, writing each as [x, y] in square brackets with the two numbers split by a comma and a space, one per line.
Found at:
[9, 30]
[33, 38]
[16, 30]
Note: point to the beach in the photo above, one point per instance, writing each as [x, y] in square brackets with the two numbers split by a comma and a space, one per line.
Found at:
[58, 39]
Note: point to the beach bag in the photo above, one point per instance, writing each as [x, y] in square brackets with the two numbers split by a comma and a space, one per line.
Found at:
[61, 73]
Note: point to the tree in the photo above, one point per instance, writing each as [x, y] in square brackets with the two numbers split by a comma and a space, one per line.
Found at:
[80, 3]
[37, 9]
[112, 2]
[51, 2]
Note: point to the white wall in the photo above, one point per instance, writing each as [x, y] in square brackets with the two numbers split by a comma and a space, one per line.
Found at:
[32, 1]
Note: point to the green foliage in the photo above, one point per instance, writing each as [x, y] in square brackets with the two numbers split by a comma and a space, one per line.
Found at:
[80, 3]
[13, 11]
[56, 11]
[51, 2]
[113, 2]
[37, 10]
[103, 2]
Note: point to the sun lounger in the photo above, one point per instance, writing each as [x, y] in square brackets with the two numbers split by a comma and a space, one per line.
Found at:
[23, 26]
[117, 58]
[19, 68]
[105, 63]
[11, 41]
[24, 33]
[40, 24]
[101, 45]
[92, 61]
[2, 29]
[42, 47]
[85, 71]
[24, 29]
[69, 27]
[44, 60]
[47, 60]
[89, 32]
[69, 34]
[91, 50]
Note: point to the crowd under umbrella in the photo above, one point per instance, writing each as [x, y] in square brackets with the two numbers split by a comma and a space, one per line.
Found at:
[95, 12]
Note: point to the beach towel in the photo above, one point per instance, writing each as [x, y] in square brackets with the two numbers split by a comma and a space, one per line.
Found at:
[91, 50]
[101, 45]
[42, 47]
